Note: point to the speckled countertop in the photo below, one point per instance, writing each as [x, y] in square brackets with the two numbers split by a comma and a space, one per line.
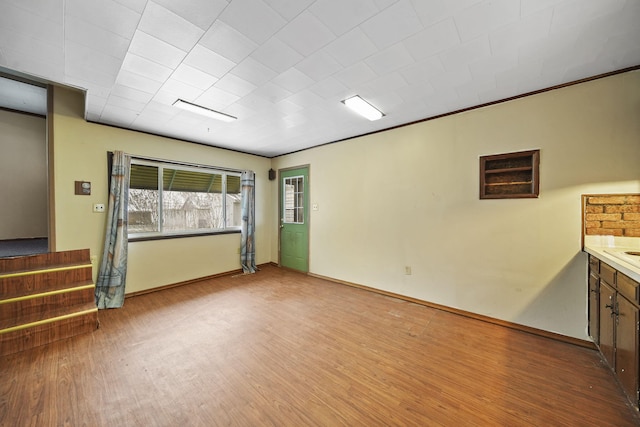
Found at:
[612, 250]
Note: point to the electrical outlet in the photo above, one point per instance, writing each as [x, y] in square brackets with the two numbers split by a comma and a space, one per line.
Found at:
[98, 207]
[407, 270]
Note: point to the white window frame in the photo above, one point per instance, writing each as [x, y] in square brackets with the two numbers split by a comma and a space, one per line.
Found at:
[160, 233]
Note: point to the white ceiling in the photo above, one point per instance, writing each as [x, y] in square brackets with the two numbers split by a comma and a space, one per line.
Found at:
[283, 66]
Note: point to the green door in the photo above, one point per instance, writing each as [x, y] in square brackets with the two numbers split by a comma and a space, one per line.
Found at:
[294, 218]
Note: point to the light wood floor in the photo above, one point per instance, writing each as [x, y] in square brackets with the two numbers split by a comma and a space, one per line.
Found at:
[280, 348]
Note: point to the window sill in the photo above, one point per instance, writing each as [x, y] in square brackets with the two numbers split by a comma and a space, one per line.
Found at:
[146, 237]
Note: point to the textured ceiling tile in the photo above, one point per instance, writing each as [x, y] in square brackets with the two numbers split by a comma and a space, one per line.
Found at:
[105, 14]
[235, 85]
[305, 98]
[256, 102]
[34, 56]
[415, 94]
[306, 34]
[271, 92]
[392, 25]
[116, 101]
[571, 13]
[254, 72]
[289, 9]
[554, 45]
[165, 25]
[132, 94]
[216, 98]
[488, 67]
[486, 16]
[433, 40]
[276, 55]
[135, 5]
[51, 10]
[611, 54]
[319, 65]
[512, 78]
[200, 12]
[388, 83]
[533, 27]
[465, 54]
[433, 11]
[79, 56]
[330, 88]
[287, 107]
[181, 90]
[418, 73]
[383, 4]
[118, 115]
[390, 59]
[450, 78]
[351, 47]
[136, 81]
[253, 18]
[99, 39]
[343, 16]
[145, 67]
[31, 23]
[208, 61]
[156, 50]
[475, 86]
[193, 77]
[527, 7]
[293, 80]
[228, 42]
[356, 75]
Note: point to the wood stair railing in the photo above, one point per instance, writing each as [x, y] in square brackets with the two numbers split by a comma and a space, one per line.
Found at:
[45, 298]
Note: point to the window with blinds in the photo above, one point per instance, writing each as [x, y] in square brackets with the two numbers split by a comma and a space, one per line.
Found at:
[172, 199]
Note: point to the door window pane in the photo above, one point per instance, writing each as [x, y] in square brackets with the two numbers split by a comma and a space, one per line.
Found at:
[294, 200]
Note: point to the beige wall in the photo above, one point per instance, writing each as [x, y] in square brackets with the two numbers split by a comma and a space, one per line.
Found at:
[81, 154]
[23, 174]
[409, 197]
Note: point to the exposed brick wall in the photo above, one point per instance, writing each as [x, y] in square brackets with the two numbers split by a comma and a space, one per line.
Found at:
[612, 215]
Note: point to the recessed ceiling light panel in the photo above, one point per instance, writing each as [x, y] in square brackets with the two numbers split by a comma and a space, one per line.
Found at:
[198, 109]
[363, 108]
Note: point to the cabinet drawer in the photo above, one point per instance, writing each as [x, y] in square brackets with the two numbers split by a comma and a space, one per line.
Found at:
[628, 287]
[594, 265]
[608, 274]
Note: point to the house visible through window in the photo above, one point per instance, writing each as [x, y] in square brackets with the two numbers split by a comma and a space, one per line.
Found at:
[170, 199]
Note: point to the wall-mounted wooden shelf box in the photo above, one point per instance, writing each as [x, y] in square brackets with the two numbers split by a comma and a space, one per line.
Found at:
[510, 175]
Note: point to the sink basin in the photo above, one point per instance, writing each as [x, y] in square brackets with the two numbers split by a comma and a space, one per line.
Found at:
[630, 256]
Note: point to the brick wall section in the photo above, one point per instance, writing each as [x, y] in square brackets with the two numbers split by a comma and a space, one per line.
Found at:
[612, 215]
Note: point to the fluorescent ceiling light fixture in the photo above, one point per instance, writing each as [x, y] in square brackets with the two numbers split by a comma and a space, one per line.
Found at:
[198, 109]
[363, 108]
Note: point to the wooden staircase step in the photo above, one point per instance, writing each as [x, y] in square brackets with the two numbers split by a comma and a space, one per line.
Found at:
[43, 281]
[44, 298]
[23, 309]
[35, 262]
[45, 332]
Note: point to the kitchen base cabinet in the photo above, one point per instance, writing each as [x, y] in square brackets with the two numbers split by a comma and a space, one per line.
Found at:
[614, 323]
[627, 346]
[607, 323]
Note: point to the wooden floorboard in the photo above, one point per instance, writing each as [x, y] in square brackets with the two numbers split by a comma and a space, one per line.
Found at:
[279, 348]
